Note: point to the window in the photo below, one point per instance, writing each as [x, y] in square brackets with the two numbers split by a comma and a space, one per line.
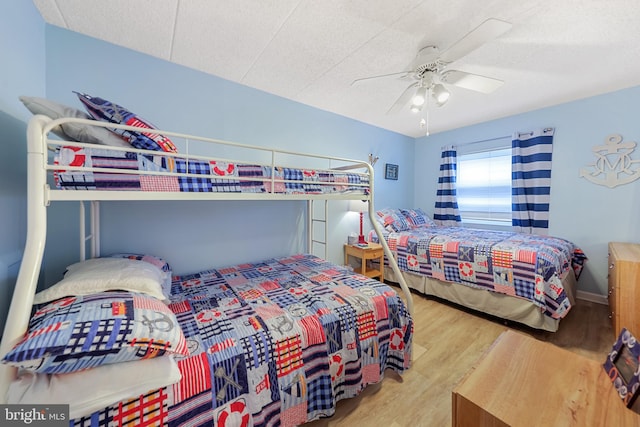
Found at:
[484, 185]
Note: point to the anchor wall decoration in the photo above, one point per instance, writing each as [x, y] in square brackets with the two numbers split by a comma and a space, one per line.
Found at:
[613, 165]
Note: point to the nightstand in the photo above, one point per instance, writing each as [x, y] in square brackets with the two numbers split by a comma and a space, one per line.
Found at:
[373, 251]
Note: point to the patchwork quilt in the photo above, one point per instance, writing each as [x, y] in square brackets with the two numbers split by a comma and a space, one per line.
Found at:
[203, 176]
[276, 343]
[522, 265]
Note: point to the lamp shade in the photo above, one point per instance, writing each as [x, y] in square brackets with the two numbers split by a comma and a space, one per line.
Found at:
[440, 94]
[358, 206]
[420, 96]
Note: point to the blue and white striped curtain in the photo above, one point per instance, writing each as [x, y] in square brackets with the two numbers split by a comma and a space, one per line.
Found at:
[531, 180]
[446, 210]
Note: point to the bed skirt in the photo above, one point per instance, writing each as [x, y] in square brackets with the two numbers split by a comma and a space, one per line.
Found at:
[500, 305]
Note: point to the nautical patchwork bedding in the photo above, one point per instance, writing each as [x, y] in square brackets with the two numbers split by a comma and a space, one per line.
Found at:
[204, 176]
[521, 265]
[276, 343]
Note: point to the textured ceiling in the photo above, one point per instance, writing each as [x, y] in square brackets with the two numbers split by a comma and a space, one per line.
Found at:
[311, 51]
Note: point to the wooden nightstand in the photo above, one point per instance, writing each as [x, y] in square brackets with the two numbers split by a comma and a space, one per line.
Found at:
[373, 251]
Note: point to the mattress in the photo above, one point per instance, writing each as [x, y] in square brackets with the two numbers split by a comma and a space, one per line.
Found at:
[525, 266]
[108, 169]
[496, 304]
[273, 343]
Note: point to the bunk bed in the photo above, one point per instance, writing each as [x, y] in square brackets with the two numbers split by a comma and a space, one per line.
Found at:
[525, 278]
[287, 337]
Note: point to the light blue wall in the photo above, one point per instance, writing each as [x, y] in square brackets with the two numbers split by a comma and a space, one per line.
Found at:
[588, 214]
[193, 236]
[22, 46]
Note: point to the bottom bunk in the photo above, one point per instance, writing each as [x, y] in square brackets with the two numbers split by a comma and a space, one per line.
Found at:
[503, 306]
[271, 343]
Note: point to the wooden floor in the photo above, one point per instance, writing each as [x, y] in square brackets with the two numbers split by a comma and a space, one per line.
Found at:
[447, 341]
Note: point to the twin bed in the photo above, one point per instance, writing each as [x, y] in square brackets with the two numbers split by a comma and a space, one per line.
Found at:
[276, 342]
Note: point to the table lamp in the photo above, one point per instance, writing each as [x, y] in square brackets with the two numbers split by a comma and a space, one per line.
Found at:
[360, 206]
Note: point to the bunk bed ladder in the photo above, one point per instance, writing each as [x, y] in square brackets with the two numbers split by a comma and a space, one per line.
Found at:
[318, 228]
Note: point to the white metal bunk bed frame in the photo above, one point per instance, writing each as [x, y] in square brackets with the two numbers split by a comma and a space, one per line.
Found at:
[39, 196]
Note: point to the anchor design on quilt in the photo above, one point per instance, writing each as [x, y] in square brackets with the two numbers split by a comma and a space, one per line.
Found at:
[333, 337]
[297, 310]
[360, 301]
[614, 165]
[228, 380]
[368, 291]
[162, 323]
[465, 253]
[284, 324]
[394, 316]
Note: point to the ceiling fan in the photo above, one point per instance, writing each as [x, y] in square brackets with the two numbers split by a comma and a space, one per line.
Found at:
[430, 74]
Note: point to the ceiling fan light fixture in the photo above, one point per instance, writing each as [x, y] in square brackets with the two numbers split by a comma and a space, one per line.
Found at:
[440, 94]
[416, 108]
[419, 98]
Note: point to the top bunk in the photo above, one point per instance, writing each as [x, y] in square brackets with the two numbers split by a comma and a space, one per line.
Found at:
[100, 164]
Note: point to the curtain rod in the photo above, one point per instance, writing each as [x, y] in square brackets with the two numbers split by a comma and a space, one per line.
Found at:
[485, 140]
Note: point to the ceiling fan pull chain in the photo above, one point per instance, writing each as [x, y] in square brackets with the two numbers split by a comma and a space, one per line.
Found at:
[427, 120]
[424, 122]
[427, 113]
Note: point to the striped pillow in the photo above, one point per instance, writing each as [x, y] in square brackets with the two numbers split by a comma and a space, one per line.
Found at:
[392, 220]
[417, 218]
[101, 109]
[81, 332]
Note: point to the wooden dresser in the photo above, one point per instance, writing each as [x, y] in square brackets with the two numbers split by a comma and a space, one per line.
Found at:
[624, 286]
[521, 381]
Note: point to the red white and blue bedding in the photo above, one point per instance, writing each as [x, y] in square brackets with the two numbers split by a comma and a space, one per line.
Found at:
[276, 343]
[204, 176]
[522, 265]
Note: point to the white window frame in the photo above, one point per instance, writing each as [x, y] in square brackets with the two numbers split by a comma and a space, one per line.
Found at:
[486, 217]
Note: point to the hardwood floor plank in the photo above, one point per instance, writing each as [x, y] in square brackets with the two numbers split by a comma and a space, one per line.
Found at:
[447, 342]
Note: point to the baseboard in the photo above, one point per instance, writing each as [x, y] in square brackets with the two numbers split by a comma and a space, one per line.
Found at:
[590, 296]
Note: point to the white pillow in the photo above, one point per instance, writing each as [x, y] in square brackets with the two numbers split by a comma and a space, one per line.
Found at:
[106, 274]
[75, 131]
[93, 389]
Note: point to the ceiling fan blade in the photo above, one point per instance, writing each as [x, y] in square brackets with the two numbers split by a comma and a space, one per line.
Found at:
[471, 81]
[378, 77]
[488, 30]
[425, 55]
[403, 99]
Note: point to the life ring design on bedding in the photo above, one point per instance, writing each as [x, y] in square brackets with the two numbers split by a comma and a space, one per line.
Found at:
[222, 168]
[539, 286]
[235, 415]
[78, 156]
[395, 340]
[412, 261]
[207, 316]
[466, 269]
[191, 282]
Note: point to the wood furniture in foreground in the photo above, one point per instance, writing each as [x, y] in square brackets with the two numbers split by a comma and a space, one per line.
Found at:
[521, 381]
[624, 287]
[373, 251]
